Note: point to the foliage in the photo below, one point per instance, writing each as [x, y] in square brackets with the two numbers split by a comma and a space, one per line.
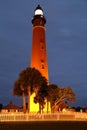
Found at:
[57, 94]
[41, 95]
[66, 94]
[31, 77]
[53, 93]
[18, 90]
[30, 80]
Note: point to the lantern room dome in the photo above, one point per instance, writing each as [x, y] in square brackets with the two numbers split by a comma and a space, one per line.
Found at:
[38, 18]
[38, 10]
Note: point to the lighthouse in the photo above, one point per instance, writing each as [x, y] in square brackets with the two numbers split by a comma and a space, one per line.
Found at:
[38, 52]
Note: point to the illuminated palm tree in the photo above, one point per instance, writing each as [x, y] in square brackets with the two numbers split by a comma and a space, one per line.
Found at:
[30, 80]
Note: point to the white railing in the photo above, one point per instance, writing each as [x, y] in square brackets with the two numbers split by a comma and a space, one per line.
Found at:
[43, 117]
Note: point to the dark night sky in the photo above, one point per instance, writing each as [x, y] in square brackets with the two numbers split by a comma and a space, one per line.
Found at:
[66, 37]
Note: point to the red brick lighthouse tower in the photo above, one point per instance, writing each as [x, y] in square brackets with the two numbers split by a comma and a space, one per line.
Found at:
[39, 56]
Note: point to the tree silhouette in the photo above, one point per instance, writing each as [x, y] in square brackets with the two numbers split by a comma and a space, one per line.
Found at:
[41, 95]
[31, 80]
[56, 95]
[53, 93]
[19, 90]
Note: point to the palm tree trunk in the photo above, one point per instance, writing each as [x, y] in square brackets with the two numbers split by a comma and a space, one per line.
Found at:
[29, 93]
[23, 98]
[24, 102]
[39, 108]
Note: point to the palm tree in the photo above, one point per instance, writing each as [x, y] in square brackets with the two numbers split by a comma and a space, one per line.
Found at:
[41, 95]
[20, 91]
[31, 79]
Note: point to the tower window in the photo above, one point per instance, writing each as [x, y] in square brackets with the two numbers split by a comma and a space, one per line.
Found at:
[42, 64]
[42, 45]
[42, 61]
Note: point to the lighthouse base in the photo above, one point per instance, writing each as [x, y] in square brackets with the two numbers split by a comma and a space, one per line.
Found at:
[34, 107]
